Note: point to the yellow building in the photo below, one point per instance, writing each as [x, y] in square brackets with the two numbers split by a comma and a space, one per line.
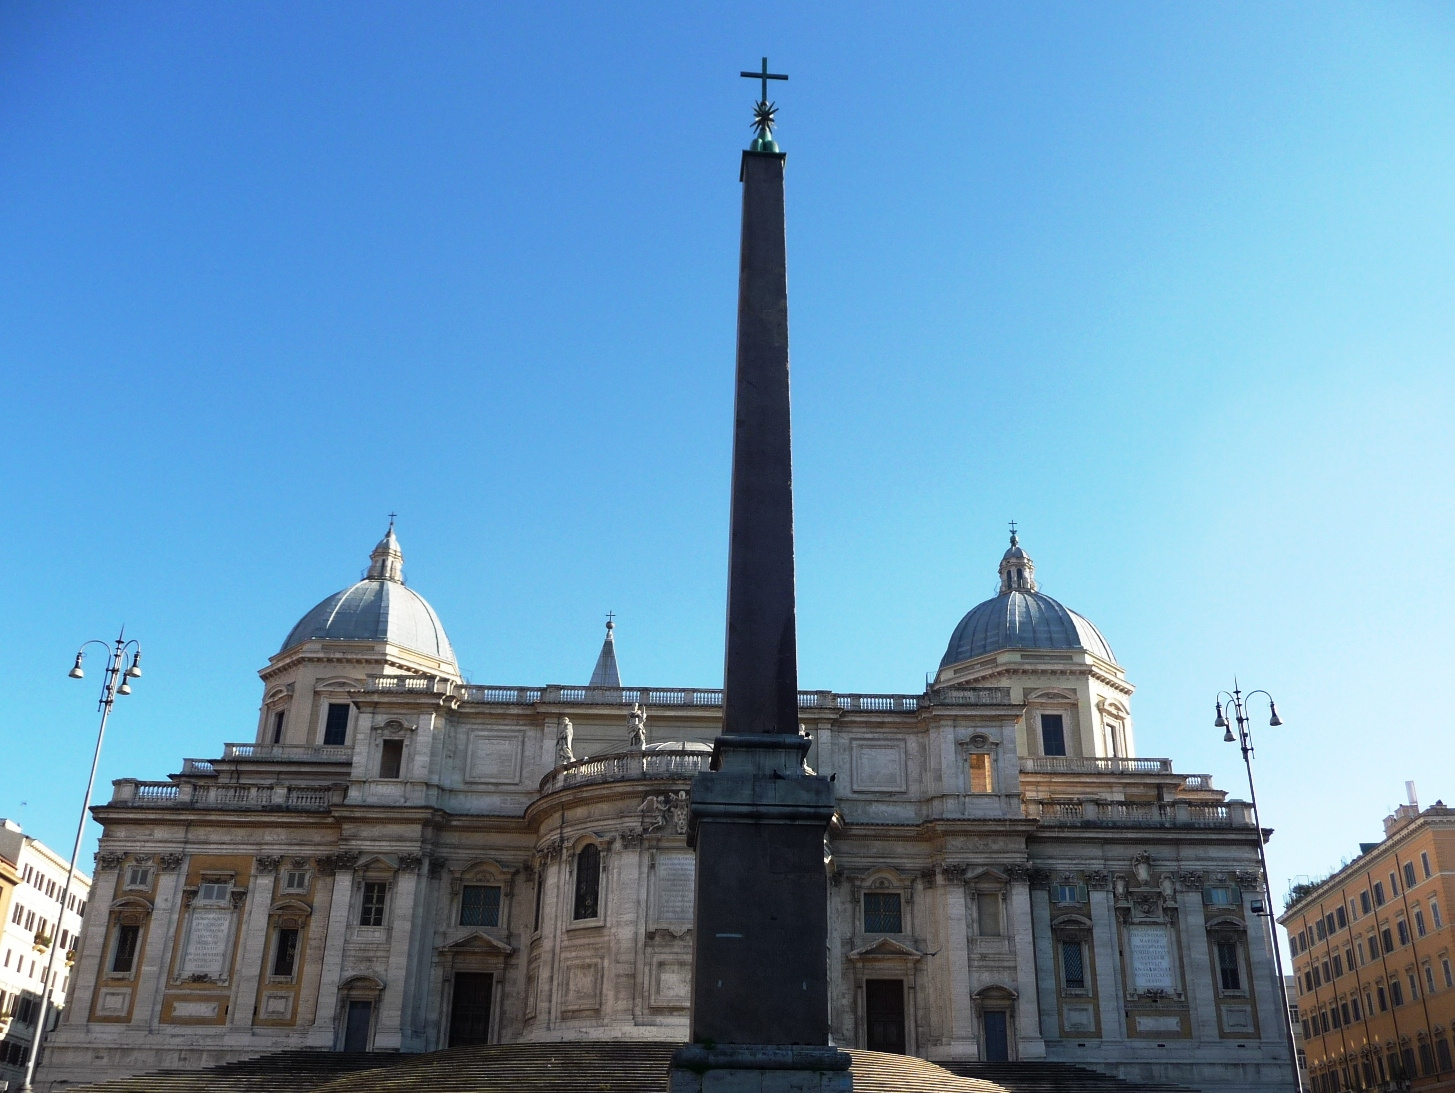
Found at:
[1372, 948]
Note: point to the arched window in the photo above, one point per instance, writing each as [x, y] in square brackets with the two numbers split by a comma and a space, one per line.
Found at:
[588, 882]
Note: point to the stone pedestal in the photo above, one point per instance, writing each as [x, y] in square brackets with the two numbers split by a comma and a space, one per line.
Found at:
[760, 1068]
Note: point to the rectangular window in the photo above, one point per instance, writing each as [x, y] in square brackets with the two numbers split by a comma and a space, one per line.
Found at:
[480, 905]
[285, 953]
[1334, 1016]
[1435, 914]
[1068, 893]
[295, 880]
[1308, 982]
[213, 891]
[987, 910]
[1383, 1001]
[336, 726]
[1404, 931]
[1224, 896]
[1228, 974]
[1409, 875]
[391, 758]
[30, 920]
[1329, 924]
[882, 913]
[371, 911]
[1340, 917]
[980, 779]
[1364, 904]
[1419, 923]
[278, 727]
[1053, 734]
[540, 892]
[1073, 967]
[1393, 885]
[17, 916]
[1449, 975]
[1354, 1005]
[1344, 1011]
[1349, 958]
[1302, 939]
[1414, 985]
[1324, 1021]
[1353, 911]
[1442, 1053]
[1338, 966]
[588, 883]
[1396, 992]
[1429, 979]
[1319, 929]
[1318, 979]
[1425, 864]
[1388, 939]
[124, 954]
[138, 876]
[1379, 893]
[1327, 977]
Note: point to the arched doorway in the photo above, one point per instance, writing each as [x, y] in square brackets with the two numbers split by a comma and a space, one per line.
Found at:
[996, 1009]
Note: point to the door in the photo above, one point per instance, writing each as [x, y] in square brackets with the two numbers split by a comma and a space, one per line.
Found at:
[470, 1009]
[884, 1014]
[356, 1026]
[997, 1043]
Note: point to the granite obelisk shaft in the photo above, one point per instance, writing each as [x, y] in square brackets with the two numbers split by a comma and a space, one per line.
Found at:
[760, 674]
[760, 967]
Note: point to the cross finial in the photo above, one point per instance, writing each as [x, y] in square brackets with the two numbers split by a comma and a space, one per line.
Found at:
[763, 110]
[391, 520]
[764, 76]
[610, 615]
[1012, 529]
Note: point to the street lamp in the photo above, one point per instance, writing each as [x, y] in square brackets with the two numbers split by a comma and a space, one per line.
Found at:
[116, 680]
[1234, 706]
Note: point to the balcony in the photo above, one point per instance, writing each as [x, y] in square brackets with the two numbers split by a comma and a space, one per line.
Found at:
[290, 753]
[627, 766]
[1099, 764]
[705, 697]
[131, 793]
[1093, 813]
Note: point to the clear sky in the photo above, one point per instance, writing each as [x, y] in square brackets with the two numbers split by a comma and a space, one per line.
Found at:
[1169, 284]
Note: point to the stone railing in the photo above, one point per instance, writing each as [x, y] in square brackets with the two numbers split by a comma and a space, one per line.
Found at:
[289, 753]
[138, 794]
[420, 684]
[1096, 764]
[709, 696]
[1197, 781]
[1094, 813]
[627, 766]
[198, 766]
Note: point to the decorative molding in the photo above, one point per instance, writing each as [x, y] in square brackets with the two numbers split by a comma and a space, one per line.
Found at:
[409, 863]
[267, 863]
[344, 860]
[1191, 880]
[1017, 873]
[1098, 880]
[954, 874]
[1249, 878]
[109, 859]
[170, 863]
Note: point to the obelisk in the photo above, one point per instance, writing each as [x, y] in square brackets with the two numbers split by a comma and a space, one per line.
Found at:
[760, 965]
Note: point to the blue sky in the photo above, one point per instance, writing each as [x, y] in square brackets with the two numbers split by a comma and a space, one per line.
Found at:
[1169, 284]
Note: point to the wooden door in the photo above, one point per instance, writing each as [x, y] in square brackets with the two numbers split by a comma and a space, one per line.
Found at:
[997, 1041]
[884, 1014]
[470, 1008]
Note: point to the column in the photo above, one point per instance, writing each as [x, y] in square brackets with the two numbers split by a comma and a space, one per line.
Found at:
[388, 1030]
[252, 946]
[161, 929]
[1028, 1007]
[964, 1036]
[1108, 969]
[324, 1020]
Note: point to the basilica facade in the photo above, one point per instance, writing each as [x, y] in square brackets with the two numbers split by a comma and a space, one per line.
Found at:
[399, 860]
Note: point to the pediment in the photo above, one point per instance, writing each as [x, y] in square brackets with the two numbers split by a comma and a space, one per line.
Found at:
[476, 942]
[886, 947]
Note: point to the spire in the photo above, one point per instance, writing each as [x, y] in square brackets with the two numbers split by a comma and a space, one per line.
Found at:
[605, 673]
[1017, 571]
[386, 563]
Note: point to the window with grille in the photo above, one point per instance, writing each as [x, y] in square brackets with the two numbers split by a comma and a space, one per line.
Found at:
[336, 724]
[882, 913]
[285, 953]
[588, 883]
[371, 910]
[123, 955]
[480, 905]
[1229, 974]
[1073, 966]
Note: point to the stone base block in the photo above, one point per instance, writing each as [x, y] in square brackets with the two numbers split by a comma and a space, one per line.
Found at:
[753, 1068]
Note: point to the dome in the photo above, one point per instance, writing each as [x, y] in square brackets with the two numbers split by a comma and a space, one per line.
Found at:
[1021, 617]
[378, 608]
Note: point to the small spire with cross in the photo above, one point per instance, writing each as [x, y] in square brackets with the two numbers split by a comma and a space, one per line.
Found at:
[1013, 538]
[764, 112]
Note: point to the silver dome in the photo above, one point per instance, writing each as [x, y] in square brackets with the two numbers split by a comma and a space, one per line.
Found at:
[378, 608]
[1021, 617]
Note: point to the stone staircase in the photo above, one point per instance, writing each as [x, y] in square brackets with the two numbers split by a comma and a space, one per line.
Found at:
[583, 1067]
[1042, 1077]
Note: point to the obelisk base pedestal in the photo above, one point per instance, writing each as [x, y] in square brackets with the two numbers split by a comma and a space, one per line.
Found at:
[760, 1068]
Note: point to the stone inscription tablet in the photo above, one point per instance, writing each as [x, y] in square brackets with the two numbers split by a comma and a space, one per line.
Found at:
[1151, 960]
[675, 876]
[494, 757]
[207, 942]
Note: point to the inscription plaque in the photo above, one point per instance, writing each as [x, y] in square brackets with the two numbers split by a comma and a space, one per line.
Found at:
[676, 874]
[207, 942]
[1151, 958]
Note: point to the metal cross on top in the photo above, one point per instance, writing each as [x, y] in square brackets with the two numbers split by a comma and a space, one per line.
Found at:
[765, 76]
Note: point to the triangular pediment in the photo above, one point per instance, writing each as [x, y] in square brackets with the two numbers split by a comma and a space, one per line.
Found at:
[886, 947]
[477, 942]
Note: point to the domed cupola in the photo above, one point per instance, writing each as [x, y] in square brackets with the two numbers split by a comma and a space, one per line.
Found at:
[1021, 617]
[381, 607]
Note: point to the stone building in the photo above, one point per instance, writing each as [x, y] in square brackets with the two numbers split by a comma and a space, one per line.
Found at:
[32, 919]
[1373, 947]
[398, 860]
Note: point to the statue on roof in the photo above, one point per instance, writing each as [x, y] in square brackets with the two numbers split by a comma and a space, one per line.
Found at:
[637, 723]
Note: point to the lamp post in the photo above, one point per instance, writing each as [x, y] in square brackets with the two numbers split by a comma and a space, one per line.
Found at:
[115, 681]
[1234, 705]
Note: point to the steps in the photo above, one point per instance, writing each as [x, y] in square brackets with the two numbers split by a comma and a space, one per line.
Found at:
[1042, 1077]
[624, 1066]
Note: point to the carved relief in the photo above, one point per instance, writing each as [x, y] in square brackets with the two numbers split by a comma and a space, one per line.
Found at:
[1142, 869]
[409, 863]
[170, 863]
[109, 859]
[1098, 880]
[1248, 878]
[1191, 881]
[1017, 873]
[267, 863]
